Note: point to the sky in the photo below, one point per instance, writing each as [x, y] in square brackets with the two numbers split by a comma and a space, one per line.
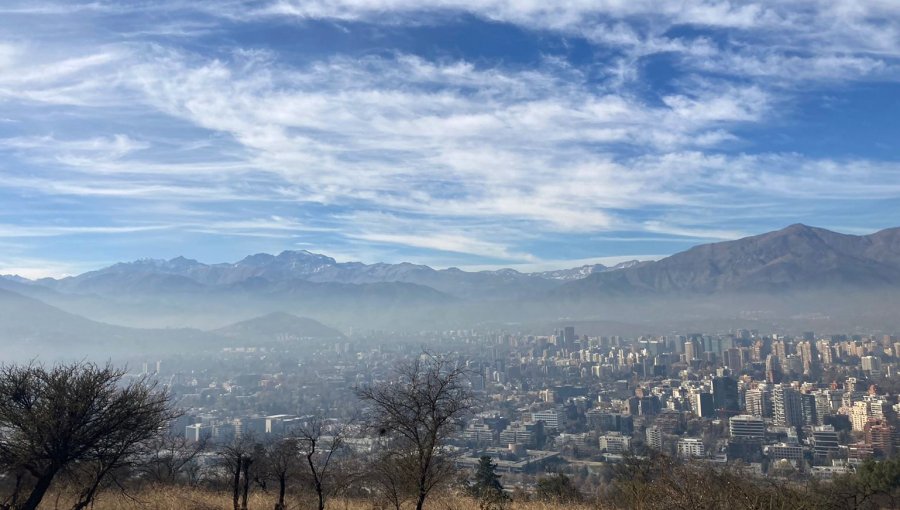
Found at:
[476, 134]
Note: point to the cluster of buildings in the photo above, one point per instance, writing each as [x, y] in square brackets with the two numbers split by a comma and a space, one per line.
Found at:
[819, 405]
[805, 403]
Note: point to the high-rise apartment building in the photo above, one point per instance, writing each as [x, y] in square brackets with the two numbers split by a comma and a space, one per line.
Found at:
[881, 436]
[808, 409]
[859, 415]
[758, 402]
[786, 406]
[654, 438]
[725, 394]
[704, 405]
[773, 369]
[871, 365]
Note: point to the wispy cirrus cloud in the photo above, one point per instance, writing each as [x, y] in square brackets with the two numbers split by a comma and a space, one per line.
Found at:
[661, 132]
[480, 143]
[24, 231]
[837, 29]
[457, 243]
[29, 74]
[40, 268]
[71, 151]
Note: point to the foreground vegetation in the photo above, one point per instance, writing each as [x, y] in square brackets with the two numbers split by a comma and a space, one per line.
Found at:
[647, 484]
[185, 498]
[74, 437]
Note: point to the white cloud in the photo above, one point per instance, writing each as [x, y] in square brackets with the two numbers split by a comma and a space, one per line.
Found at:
[274, 226]
[29, 74]
[73, 151]
[38, 268]
[538, 148]
[693, 232]
[22, 231]
[482, 237]
[480, 153]
[8, 55]
[457, 243]
[791, 40]
[555, 264]
[534, 13]
[481, 143]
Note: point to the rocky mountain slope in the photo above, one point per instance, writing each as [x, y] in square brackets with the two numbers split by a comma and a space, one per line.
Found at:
[796, 258]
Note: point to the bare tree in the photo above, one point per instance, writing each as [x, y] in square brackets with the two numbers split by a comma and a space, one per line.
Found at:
[320, 444]
[392, 475]
[170, 459]
[77, 420]
[419, 412]
[238, 457]
[282, 463]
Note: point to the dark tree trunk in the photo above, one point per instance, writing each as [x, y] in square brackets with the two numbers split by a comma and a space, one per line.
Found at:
[423, 491]
[37, 493]
[282, 486]
[245, 467]
[236, 487]
[320, 491]
[14, 497]
[88, 494]
[86, 497]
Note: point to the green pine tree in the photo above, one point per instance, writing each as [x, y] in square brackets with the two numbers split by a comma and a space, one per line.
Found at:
[486, 486]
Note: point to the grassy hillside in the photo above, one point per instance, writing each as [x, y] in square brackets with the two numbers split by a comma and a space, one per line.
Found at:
[651, 484]
[183, 498]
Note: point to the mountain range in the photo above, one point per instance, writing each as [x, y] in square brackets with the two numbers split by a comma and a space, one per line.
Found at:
[30, 328]
[796, 258]
[278, 326]
[186, 275]
[797, 277]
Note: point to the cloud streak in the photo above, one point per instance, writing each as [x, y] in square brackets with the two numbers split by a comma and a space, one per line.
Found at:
[472, 157]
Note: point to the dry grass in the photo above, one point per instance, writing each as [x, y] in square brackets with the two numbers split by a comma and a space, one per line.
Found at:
[161, 498]
[182, 498]
[164, 498]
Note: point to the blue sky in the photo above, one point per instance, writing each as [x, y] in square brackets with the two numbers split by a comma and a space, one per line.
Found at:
[465, 133]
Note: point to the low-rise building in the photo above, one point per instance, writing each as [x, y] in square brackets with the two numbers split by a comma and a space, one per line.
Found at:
[691, 447]
[745, 425]
[614, 443]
